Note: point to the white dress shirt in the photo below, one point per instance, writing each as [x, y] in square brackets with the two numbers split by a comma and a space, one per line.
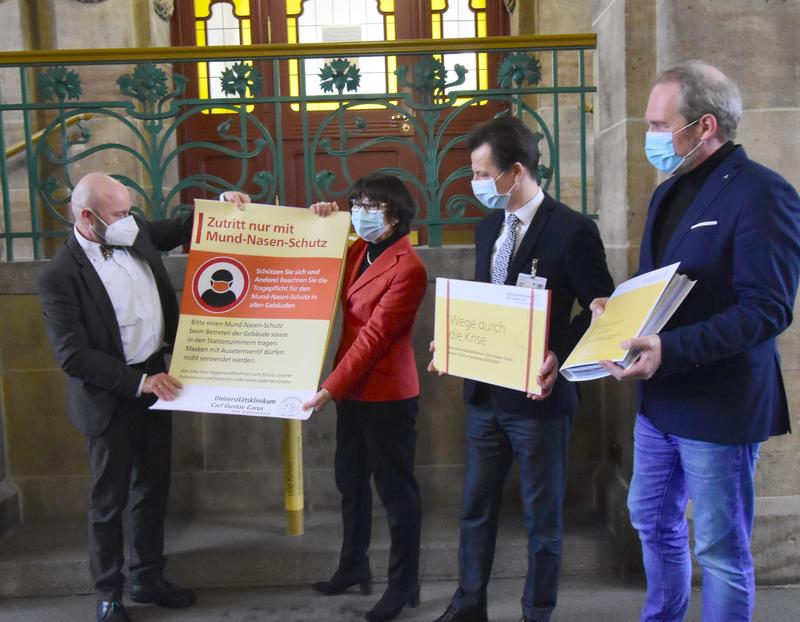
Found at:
[132, 289]
[525, 215]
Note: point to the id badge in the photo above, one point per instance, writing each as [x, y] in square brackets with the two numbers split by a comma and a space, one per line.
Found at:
[531, 282]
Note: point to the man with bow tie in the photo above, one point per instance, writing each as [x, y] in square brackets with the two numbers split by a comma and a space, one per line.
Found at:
[110, 314]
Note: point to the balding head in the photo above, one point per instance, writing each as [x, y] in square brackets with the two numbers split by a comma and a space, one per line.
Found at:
[704, 89]
[98, 195]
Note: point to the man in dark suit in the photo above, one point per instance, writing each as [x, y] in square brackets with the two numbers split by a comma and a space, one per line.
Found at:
[110, 312]
[711, 387]
[526, 232]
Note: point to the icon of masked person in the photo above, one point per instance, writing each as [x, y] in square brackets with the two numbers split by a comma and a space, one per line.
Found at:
[220, 293]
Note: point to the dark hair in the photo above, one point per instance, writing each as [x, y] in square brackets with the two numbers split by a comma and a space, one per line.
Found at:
[387, 189]
[510, 140]
[222, 275]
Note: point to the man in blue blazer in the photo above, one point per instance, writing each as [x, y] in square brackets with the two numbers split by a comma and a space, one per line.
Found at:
[525, 232]
[710, 384]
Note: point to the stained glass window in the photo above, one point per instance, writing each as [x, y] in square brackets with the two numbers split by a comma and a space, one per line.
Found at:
[324, 21]
[452, 19]
[219, 22]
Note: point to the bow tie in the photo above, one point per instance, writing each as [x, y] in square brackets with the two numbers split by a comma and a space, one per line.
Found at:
[108, 250]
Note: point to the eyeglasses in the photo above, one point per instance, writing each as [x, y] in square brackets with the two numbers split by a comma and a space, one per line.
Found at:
[372, 207]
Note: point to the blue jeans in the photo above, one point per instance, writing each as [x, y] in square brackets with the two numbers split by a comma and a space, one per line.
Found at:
[667, 471]
[494, 438]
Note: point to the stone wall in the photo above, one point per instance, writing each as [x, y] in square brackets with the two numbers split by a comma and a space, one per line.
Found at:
[228, 463]
[62, 25]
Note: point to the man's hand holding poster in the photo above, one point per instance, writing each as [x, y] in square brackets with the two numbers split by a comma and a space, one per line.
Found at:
[259, 299]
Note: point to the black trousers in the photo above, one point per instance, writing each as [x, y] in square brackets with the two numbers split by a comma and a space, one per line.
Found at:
[130, 464]
[379, 439]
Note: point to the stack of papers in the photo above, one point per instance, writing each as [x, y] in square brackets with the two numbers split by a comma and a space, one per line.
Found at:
[639, 306]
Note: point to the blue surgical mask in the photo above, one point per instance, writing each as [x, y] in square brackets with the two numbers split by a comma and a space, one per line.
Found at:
[660, 150]
[368, 226]
[485, 190]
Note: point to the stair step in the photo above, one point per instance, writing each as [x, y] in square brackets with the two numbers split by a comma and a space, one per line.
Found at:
[226, 550]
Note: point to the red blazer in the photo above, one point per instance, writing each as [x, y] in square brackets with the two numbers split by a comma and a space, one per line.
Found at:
[375, 359]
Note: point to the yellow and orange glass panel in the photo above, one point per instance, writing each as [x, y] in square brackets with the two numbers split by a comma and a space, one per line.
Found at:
[306, 21]
[219, 22]
[451, 19]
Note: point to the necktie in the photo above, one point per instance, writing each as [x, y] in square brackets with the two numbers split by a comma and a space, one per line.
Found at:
[108, 250]
[506, 250]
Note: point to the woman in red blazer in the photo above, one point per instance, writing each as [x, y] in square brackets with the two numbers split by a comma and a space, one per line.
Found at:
[375, 385]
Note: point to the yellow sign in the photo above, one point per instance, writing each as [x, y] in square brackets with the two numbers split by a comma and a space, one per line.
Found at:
[259, 300]
[491, 333]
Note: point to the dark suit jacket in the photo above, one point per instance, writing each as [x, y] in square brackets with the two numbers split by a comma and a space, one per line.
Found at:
[720, 378]
[375, 359]
[82, 327]
[570, 255]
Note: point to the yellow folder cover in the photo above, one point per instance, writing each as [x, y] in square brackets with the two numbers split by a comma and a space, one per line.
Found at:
[491, 333]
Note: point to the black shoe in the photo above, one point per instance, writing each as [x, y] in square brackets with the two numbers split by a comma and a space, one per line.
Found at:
[391, 604]
[111, 611]
[470, 614]
[163, 593]
[345, 578]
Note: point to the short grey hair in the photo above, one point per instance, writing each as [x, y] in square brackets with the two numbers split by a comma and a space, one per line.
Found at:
[706, 90]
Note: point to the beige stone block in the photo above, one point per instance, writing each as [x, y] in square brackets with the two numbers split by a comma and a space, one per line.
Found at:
[151, 30]
[617, 261]
[587, 433]
[239, 443]
[523, 19]
[561, 18]
[233, 491]
[13, 130]
[599, 7]
[634, 251]
[619, 417]
[188, 450]
[610, 27]
[12, 17]
[642, 180]
[765, 60]
[569, 145]
[41, 440]
[610, 184]
[777, 473]
[640, 54]
[786, 444]
[791, 381]
[441, 421]
[768, 136]
[66, 24]
[789, 343]
[54, 497]
[23, 343]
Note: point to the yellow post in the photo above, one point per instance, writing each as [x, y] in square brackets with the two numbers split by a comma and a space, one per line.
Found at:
[293, 475]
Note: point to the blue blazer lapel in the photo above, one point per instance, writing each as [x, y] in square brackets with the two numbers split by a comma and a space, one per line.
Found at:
[720, 178]
[97, 291]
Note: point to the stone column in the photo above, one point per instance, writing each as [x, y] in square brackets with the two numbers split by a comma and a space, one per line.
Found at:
[11, 14]
[625, 66]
